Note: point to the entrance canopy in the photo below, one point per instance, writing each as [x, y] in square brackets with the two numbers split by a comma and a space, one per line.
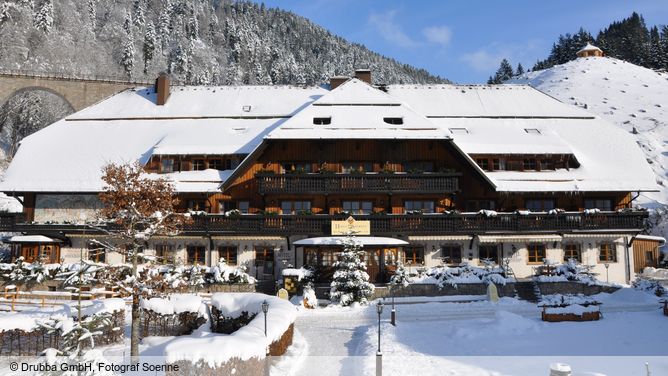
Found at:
[33, 239]
[340, 240]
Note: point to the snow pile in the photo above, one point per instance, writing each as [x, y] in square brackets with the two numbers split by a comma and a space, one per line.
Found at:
[175, 304]
[566, 300]
[467, 273]
[575, 309]
[97, 307]
[654, 273]
[249, 341]
[17, 321]
[301, 273]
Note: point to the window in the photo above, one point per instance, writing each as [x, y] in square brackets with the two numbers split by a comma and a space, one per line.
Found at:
[295, 207]
[422, 206]
[198, 165]
[514, 165]
[539, 204]
[546, 164]
[229, 254]
[352, 167]
[164, 253]
[529, 164]
[358, 207]
[499, 164]
[572, 251]
[96, 253]
[489, 252]
[604, 204]
[394, 120]
[477, 205]
[418, 166]
[532, 130]
[296, 167]
[535, 253]
[264, 260]
[243, 206]
[196, 255]
[197, 205]
[451, 253]
[607, 253]
[483, 163]
[50, 254]
[246, 108]
[216, 164]
[458, 130]
[322, 120]
[167, 165]
[414, 255]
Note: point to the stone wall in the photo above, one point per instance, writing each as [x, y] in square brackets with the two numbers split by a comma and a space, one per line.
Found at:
[551, 288]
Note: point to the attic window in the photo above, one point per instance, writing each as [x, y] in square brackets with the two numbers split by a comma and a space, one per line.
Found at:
[459, 130]
[246, 108]
[394, 120]
[322, 120]
[532, 130]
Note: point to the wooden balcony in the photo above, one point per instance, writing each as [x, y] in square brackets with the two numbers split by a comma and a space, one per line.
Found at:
[388, 225]
[357, 183]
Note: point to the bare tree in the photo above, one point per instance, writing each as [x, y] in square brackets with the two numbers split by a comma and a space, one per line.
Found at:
[136, 208]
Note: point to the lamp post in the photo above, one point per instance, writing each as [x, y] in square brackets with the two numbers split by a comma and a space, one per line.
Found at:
[393, 313]
[379, 355]
[265, 309]
[607, 276]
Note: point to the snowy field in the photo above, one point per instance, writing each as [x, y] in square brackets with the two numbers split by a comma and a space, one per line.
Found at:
[455, 337]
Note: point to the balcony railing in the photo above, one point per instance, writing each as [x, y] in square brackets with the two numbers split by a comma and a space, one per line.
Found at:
[358, 183]
[389, 225]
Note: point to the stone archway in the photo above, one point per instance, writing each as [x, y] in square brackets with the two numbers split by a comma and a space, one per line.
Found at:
[25, 89]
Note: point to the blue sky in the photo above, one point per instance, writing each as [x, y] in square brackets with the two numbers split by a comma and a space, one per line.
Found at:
[464, 41]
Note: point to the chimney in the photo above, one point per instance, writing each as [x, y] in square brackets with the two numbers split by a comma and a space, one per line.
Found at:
[162, 89]
[363, 75]
[337, 81]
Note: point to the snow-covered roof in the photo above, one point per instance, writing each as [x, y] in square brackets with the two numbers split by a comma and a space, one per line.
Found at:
[356, 110]
[589, 47]
[609, 159]
[203, 102]
[68, 156]
[494, 101]
[32, 239]
[341, 240]
[660, 239]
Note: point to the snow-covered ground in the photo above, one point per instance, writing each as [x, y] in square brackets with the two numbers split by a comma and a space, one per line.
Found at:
[630, 96]
[486, 339]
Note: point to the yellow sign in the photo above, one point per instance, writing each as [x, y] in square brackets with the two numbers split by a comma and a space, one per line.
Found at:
[351, 226]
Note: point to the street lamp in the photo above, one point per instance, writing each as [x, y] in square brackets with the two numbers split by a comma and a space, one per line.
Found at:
[607, 277]
[265, 309]
[393, 314]
[379, 355]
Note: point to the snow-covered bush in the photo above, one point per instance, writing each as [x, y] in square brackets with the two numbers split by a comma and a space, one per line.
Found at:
[350, 283]
[648, 285]
[228, 274]
[452, 276]
[23, 272]
[310, 300]
[560, 300]
[574, 271]
[400, 277]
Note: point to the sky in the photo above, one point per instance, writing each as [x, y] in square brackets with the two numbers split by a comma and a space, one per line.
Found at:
[464, 40]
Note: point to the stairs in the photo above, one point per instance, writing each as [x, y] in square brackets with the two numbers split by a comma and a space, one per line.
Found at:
[527, 290]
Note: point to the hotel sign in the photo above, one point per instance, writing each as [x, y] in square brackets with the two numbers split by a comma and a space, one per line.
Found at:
[351, 226]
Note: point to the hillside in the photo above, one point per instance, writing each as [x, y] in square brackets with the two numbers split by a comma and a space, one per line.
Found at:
[630, 96]
[199, 42]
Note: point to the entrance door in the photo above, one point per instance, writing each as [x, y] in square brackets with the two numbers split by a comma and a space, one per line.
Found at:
[373, 263]
[30, 252]
[264, 263]
[390, 260]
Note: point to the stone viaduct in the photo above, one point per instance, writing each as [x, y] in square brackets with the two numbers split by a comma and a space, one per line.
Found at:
[79, 93]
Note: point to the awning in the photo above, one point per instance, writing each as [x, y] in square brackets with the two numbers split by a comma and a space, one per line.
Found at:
[439, 237]
[518, 238]
[595, 235]
[340, 240]
[33, 239]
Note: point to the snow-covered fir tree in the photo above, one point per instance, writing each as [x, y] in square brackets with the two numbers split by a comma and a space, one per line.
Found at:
[128, 58]
[400, 277]
[149, 45]
[44, 16]
[138, 18]
[350, 283]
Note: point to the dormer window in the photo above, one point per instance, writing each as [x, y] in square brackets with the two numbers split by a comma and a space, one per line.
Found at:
[459, 130]
[246, 108]
[322, 120]
[532, 130]
[394, 120]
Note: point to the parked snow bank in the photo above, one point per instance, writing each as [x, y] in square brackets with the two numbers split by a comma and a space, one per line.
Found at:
[214, 349]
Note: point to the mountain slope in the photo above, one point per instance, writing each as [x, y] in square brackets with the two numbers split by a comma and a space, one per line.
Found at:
[199, 42]
[632, 97]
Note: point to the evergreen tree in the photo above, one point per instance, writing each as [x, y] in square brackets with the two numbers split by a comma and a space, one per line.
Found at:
[149, 45]
[350, 283]
[656, 52]
[664, 47]
[138, 18]
[128, 58]
[92, 13]
[520, 70]
[504, 73]
[44, 17]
